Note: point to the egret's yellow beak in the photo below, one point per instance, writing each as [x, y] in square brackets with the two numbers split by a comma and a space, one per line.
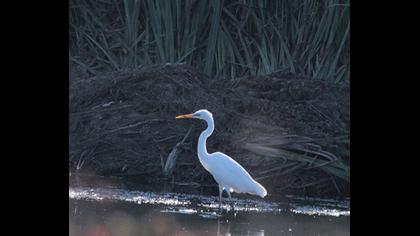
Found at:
[186, 116]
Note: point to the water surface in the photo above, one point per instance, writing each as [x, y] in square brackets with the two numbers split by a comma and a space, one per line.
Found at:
[113, 211]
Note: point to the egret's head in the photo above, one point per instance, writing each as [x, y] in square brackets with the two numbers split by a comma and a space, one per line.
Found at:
[200, 114]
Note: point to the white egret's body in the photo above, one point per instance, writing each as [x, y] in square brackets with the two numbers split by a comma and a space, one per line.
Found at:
[229, 174]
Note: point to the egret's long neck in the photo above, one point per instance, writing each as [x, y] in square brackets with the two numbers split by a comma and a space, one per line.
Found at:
[202, 149]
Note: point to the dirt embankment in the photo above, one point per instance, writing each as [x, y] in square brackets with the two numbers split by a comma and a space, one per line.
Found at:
[292, 134]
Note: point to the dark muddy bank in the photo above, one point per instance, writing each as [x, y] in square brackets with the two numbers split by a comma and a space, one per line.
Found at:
[292, 134]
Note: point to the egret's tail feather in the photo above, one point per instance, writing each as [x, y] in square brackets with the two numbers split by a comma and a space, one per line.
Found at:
[260, 190]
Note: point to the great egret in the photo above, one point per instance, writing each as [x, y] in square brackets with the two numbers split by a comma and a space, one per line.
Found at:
[229, 174]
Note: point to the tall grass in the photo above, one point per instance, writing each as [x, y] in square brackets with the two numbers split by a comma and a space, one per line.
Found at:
[231, 38]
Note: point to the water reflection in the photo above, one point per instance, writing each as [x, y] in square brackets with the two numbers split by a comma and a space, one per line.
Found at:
[95, 212]
[224, 229]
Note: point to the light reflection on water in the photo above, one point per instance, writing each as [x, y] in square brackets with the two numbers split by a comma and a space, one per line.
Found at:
[99, 211]
[299, 205]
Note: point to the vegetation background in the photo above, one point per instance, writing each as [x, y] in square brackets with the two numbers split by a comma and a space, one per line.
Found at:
[230, 38]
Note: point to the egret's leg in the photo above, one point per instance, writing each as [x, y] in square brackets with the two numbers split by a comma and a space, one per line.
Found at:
[230, 201]
[220, 196]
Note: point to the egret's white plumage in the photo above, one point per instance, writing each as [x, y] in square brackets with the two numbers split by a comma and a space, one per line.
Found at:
[229, 174]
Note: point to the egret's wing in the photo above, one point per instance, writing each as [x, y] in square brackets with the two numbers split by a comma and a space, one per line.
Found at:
[230, 173]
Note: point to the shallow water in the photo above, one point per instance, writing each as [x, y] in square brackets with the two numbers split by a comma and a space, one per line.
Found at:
[113, 211]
